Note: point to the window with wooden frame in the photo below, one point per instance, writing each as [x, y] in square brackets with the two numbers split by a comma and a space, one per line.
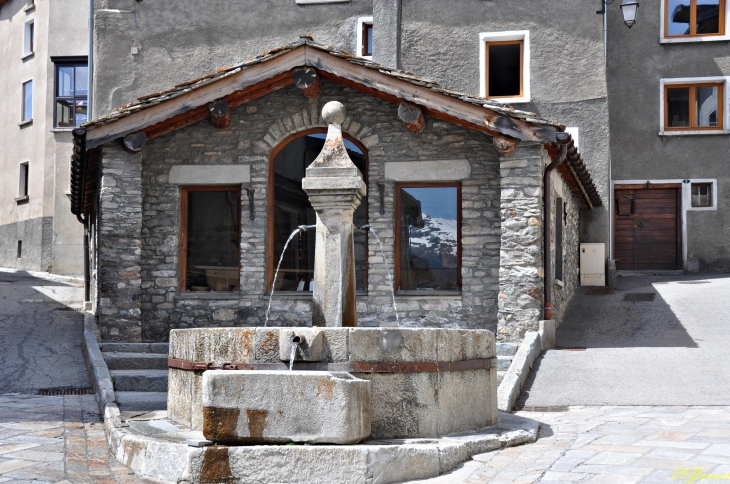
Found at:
[504, 69]
[210, 238]
[365, 37]
[289, 207]
[428, 238]
[505, 66]
[693, 106]
[694, 18]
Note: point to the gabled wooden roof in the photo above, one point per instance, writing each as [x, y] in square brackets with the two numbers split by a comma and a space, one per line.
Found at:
[161, 112]
[187, 103]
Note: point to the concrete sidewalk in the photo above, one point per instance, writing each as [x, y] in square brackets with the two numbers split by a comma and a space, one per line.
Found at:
[669, 351]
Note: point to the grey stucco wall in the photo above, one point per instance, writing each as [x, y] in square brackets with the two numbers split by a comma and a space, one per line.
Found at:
[179, 41]
[36, 235]
[637, 61]
[255, 130]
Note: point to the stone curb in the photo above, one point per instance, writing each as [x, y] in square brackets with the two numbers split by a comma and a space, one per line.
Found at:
[515, 378]
[47, 276]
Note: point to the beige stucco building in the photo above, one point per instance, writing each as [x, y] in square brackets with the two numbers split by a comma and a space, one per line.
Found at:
[43, 82]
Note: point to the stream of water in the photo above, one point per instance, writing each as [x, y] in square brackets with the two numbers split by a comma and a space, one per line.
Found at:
[390, 276]
[293, 354]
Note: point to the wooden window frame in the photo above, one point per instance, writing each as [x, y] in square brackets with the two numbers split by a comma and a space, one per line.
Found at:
[396, 274]
[521, 43]
[271, 229]
[692, 106]
[693, 21]
[362, 24]
[183, 247]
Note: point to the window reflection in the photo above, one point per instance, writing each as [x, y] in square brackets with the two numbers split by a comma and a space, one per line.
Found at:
[677, 107]
[707, 14]
[428, 238]
[292, 209]
[706, 105]
[694, 17]
[213, 240]
[678, 21]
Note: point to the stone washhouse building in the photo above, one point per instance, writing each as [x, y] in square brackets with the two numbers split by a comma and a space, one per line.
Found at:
[191, 194]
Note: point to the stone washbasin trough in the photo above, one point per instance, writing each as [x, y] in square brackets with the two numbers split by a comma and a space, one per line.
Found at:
[333, 402]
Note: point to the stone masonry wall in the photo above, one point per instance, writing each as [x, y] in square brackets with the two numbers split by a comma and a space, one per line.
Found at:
[120, 229]
[521, 273]
[255, 129]
[571, 248]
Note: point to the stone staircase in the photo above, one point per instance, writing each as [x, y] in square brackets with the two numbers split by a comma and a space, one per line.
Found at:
[139, 374]
[505, 354]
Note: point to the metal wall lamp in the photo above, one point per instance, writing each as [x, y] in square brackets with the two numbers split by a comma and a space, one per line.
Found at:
[629, 9]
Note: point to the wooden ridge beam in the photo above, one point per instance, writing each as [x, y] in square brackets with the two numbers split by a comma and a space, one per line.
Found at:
[134, 142]
[504, 144]
[220, 115]
[307, 80]
[412, 117]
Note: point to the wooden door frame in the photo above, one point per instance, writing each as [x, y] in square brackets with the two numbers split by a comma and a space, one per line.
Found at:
[679, 212]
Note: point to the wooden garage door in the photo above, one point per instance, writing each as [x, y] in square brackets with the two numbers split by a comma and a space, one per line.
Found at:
[647, 231]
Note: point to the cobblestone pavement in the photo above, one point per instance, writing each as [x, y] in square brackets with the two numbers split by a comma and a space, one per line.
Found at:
[49, 439]
[611, 445]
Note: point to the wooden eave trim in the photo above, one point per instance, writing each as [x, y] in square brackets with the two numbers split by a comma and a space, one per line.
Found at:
[190, 107]
[99, 134]
[439, 105]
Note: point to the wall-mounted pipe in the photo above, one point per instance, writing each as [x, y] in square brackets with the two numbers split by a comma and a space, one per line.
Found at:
[563, 140]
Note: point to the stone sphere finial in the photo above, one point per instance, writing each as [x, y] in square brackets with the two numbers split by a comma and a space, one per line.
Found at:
[333, 113]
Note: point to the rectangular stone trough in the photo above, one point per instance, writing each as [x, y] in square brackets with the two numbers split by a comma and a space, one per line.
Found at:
[280, 406]
[424, 382]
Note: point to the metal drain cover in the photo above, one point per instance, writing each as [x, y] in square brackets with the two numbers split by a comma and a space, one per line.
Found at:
[599, 291]
[66, 391]
[538, 408]
[639, 296]
[694, 282]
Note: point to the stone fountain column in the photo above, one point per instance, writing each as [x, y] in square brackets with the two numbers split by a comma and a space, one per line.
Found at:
[335, 188]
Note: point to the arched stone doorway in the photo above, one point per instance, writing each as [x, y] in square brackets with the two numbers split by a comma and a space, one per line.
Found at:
[289, 208]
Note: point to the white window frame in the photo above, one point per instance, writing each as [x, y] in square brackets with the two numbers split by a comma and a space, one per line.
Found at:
[27, 51]
[698, 38]
[687, 192]
[724, 80]
[358, 48]
[524, 36]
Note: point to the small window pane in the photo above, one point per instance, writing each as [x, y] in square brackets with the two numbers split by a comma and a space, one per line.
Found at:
[701, 195]
[504, 69]
[708, 17]
[677, 107]
[27, 101]
[64, 113]
[214, 240]
[428, 239]
[367, 39]
[80, 112]
[706, 105]
[81, 80]
[678, 17]
[65, 81]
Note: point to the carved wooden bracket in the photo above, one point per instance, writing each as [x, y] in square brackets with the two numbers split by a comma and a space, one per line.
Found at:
[220, 115]
[412, 117]
[134, 142]
[307, 80]
[504, 144]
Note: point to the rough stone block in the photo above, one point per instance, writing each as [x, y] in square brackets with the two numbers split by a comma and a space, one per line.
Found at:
[390, 345]
[257, 407]
[309, 344]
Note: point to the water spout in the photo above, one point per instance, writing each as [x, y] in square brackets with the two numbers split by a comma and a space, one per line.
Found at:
[387, 266]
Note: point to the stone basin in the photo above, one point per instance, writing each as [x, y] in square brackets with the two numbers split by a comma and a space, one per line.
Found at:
[280, 406]
[424, 382]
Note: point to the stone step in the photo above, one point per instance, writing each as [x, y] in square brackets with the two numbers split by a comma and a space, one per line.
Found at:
[139, 380]
[135, 347]
[141, 401]
[503, 363]
[507, 349]
[135, 361]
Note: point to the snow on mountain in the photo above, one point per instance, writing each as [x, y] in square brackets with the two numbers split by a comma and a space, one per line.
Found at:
[427, 241]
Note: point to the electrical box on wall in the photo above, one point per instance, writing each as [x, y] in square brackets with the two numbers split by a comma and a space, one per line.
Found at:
[592, 264]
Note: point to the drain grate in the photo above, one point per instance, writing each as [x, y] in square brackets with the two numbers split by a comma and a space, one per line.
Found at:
[539, 408]
[66, 391]
[694, 282]
[599, 291]
[639, 296]
[567, 348]
[78, 310]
